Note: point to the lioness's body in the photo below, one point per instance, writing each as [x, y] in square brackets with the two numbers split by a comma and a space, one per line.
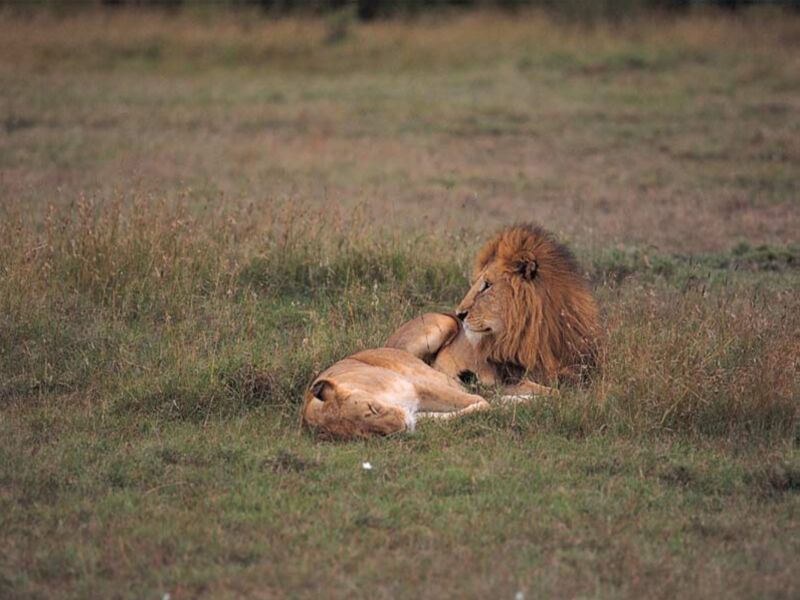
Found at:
[382, 391]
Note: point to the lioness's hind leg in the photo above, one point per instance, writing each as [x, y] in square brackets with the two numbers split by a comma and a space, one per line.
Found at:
[424, 336]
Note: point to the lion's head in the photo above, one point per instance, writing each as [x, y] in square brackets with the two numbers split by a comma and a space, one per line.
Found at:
[529, 307]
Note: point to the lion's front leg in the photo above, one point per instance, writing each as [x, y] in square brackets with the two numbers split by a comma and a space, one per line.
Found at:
[524, 391]
[526, 387]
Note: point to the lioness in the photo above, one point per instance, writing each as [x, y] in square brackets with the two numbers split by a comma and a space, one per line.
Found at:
[528, 314]
[382, 391]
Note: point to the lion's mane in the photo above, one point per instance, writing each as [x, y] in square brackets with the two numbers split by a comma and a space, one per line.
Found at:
[554, 318]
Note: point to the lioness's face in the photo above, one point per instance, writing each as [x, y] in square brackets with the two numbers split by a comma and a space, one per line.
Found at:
[481, 309]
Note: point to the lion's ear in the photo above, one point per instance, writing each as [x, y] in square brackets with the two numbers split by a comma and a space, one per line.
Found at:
[527, 268]
[323, 389]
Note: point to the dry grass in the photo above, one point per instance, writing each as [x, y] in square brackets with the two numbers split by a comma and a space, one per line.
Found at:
[197, 215]
[710, 356]
[612, 134]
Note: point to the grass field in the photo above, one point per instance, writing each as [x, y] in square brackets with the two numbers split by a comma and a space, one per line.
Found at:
[200, 212]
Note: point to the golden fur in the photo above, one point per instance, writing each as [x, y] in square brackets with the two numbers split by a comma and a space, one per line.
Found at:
[528, 314]
[426, 335]
[441, 341]
[380, 392]
[529, 309]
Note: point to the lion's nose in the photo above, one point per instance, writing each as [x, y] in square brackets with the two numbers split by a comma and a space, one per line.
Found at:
[462, 315]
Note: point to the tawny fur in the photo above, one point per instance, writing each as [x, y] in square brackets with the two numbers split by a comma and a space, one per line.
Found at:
[528, 314]
[425, 335]
[550, 317]
[536, 319]
[380, 392]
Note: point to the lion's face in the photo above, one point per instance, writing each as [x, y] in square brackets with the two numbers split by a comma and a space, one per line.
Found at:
[484, 310]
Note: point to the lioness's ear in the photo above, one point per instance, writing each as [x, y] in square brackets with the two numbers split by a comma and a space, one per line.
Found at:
[324, 390]
[527, 268]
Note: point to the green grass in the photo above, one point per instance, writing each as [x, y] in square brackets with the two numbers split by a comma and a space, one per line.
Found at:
[197, 217]
[492, 505]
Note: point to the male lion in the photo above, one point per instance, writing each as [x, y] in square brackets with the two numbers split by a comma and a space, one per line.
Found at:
[528, 313]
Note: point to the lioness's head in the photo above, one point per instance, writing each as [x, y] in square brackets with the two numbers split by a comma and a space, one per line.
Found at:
[529, 306]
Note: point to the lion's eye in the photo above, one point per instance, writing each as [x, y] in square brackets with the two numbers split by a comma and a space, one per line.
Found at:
[486, 286]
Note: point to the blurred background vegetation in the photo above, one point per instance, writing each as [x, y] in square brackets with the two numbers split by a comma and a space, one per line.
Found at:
[372, 9]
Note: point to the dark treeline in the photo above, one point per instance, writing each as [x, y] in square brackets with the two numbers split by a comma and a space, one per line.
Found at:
[371, 9]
